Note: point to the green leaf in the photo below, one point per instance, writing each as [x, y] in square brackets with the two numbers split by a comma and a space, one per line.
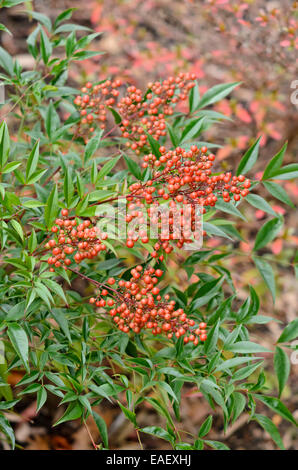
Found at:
[244, 347]
[133, 167]
[4, 143]
[194, 98]
[92, 146]
[45, 46]
[18, 228]
[212, 229]
[102, 428]
[287, 172]
[275, 163]
[239, 402]
[235, 361]
[206, 426]
[192, 129]
[161, 409]
[129, 414]
[11, 166]
[43, 19]
[277, 406]
[105, 170]
[52, 120]
[3, 28]
[16, 312]
[157, 432]
[154, 144]
[270, 427]
[212, 338]
[268, 232]
[68, 186]
[216, 445]
[83, 55]
[249, 158]
[290, 332]
[282, 368]
[267, 274]
[278, 192]
[19, 341]
[260, 203]
[65, 15]
[41, 398]
[229, 209]
[6, 428]
[52, 207]
[216, 93]
[74, 411]
[116, 115]
[6, 61]
[59, 316]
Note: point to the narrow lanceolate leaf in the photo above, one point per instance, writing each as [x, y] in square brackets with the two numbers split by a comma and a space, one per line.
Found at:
[216, 93]
[290, 332]
[206, 426]
[270, 427]
[129, 414]
[267, 274]
[282, 368]
[32, 161]
[194, 98]
[61, 319]
[246, 347]
[278, 192]
[260, 203]
[4, 144]
[268, 232]
[41, 398]
[154, 144]
[92, 146]
[133, 167]
[277, 406]
[18, 228]
[68, 187]
[6, 428]
[19, 341]
[105, 170]
[192, 130]
[287, 172]
[45, 46]
[239, 402]
[249, 158]
[51, 208]
[74, 411]
[157, 432]
[229, 208]
[275, 163]
[102, 428]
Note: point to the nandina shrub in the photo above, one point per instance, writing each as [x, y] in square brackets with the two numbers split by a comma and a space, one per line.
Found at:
[72, 162]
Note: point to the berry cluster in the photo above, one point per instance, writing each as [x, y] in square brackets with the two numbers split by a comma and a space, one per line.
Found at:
[136, 304]
[146, 114]
[93, 103]
[187, 176]
[184, 178]
[79, 240]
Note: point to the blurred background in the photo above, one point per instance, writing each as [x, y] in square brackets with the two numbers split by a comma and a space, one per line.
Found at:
[251, 41]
